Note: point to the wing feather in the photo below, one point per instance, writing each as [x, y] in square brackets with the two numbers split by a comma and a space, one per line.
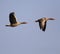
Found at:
[44, 28]
[12, 18]
[40, 25]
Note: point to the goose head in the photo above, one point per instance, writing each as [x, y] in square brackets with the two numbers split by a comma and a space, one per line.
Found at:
[23, 22]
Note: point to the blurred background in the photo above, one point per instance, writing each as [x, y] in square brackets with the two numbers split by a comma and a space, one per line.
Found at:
[28, 38]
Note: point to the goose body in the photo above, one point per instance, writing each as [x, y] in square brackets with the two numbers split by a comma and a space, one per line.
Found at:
[42, 22]
[13, 21]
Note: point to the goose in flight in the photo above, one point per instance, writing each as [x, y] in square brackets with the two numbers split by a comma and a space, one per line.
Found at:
[13, 21]
[42, 22]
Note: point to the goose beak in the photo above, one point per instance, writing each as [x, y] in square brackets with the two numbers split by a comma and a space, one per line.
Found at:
[51, 18]
[25, 22]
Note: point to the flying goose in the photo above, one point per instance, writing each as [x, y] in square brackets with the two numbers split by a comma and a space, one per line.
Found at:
[13, 21]
[42, 22]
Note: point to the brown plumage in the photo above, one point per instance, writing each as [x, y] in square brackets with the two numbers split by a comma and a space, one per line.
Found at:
[13, 21]
[42, 22]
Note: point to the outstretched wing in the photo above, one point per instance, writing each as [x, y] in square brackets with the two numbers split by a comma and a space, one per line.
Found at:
[40, 25]
[44, 28]
[12, 18]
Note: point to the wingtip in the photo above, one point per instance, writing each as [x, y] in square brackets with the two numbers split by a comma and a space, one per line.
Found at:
[36, 21]
[43, 30]
[7, 25]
